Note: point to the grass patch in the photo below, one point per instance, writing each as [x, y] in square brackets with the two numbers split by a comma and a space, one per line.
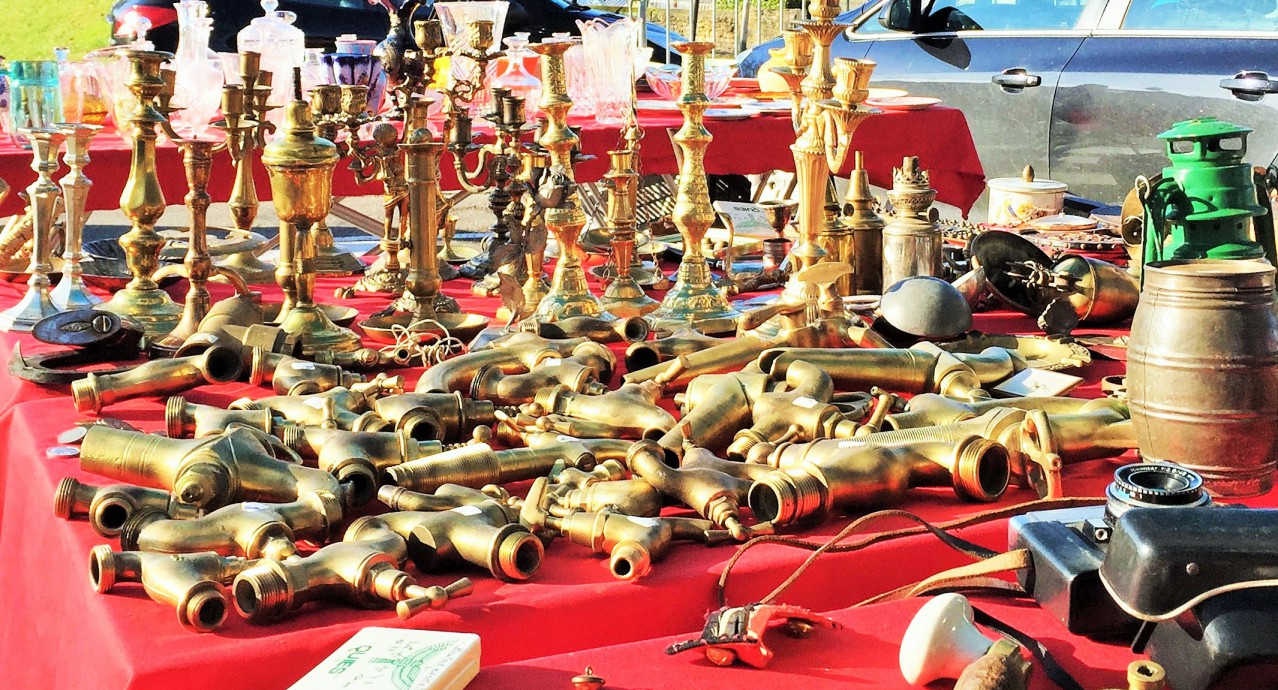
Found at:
[31, 30]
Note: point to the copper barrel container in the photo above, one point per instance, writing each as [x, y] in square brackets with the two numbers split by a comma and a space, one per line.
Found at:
[1202, 372]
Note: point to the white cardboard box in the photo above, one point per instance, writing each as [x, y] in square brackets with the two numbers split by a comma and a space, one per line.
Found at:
[397, 659]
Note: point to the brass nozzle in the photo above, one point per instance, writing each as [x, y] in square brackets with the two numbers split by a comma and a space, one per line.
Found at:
[632, 543]
[193, 583]
[630, 496]
[631, 409]
[184, 419]
[156, 378]
[478, 464]
[292, 376]
[834, 475]
[447, 417]
[109, 507]
[713, 495]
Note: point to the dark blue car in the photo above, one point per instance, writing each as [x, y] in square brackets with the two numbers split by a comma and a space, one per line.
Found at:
[1076, 88]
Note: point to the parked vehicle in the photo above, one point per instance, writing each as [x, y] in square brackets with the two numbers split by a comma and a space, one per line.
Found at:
[324, 20]
[1077, 88]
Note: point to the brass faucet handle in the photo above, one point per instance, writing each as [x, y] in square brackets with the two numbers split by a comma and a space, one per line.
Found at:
[1043, 469]
[532, 514]
[434, 597]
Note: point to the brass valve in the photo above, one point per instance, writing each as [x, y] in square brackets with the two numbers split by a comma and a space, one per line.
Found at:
[713, 495]
[193, 583]
[292, 376]
[446, 497]
[251, 530]
[109, 507]
[478, 464]
[359, 459]
[573, 478]
[208, 473]
[629, 496]
[184, 419]
[931, 409]
[501, 388]
[337, 408]
[800, 412]
[446, 417]
[722, 410]
[631, 409]
[237, 310]
[156, 378]
[823, 477]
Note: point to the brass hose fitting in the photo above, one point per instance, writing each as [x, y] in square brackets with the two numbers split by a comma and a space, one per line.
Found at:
[478, 464]
[628, 496]
[630, 330]
[501, 388]
[365, 573]
[631, 409]
[359, 459]
[184, 419]
[644, 354]
[826, 476]
[446, 497]
[156, 378]
[292, 376]
[930, 409]
[447, 417]
[251, 530]
[520, 352]
[713, 495]
[193, 583]
[208, 473]
[337, 408]
[109, 507]
[481, 534]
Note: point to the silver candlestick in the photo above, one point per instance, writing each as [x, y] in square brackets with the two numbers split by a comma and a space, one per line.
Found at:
[71, 292]
[36, 304]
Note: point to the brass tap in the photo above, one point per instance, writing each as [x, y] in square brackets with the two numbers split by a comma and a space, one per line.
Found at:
[481, 534]
[713, 495]
[900, 370]
[727, 356]
[359, 459]
[931, 409]
[501, 388]
[435, 416]
[633, 329]
[567, 478]
[446, 497]
[339, 408]
[826, 476]
[208, 473]
[193, 583]
[722, 410]
[184, 419]
[802, 412]
[365, 573]
[478, 464]
[109, 507]
[631, 409]
[289, 375]
[601, 448]
[251, 530]
[684, 341]
[237, 310]
[156, 378]
[628, 496]
[702, 458]
[520, 352]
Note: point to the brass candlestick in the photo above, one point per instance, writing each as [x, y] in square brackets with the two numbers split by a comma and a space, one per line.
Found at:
[647, 275]
[244, 108]
[197, 159]
[381, 160]
[569, 295]
[326, 104]
[71, 292]
[694, 300]
[301, 171]
[142, 201]
[37, 303]
[624, 297]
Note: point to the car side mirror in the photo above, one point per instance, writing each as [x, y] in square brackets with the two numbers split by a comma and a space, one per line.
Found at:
[905, 15]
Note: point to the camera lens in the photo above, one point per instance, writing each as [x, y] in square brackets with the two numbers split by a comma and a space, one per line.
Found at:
[1153, 485]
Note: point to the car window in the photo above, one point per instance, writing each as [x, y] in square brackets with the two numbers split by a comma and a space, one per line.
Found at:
[1203, 15]
[995, 15]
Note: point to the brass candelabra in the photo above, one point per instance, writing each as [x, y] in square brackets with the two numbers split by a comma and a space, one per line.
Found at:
[694, 301]
[326, 110]
[71, 292]
[38, 303]
[244, 109]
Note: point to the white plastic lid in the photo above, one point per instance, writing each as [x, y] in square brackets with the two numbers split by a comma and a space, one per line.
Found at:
[1027, 183]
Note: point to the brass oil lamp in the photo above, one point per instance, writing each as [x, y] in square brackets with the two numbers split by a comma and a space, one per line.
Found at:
[694, 301]
[142, 201]
[38, 303]
[301, 171]
[71, 293]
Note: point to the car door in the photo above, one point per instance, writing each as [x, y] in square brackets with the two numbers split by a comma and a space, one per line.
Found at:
[1152, 63]
[997, 61]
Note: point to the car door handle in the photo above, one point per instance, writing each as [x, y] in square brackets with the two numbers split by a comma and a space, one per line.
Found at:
[1250, 86]
[1015, 79]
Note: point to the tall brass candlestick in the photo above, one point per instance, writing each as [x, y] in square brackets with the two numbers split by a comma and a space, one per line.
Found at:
[301, 170]
[71, 292]
[142, 201]
[569, 295]
[694, 300]
[624, 297]
[37, 304]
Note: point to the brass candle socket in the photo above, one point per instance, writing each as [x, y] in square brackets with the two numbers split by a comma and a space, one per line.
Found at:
[71, 292]
[143, 203]
[694, 301]
[38, 303]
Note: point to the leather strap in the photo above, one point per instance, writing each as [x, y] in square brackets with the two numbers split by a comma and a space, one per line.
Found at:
[972, 575]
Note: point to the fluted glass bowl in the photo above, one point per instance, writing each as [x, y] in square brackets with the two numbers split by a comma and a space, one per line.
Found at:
[666, 80]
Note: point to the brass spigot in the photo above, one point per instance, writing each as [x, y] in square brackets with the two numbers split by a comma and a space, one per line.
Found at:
[184, 419]
[824, 477]
[932, 409]
[713, 495]
[208, 473]
[493, 384]
[569, 478]
[628, 496]
[336, 408]
[156, 378]
[522, 351]
[601, 448]
[193, 583]
[359, 459]
[723, 410]
[703, 458]
[478, 464]
[694, 301]
[683, 341]
[250, 530]
[365, 573]
[446, 497]
[445, 417]
[801, 412]
[238, 310]
[913, 370]
[109, 507]
[481, 534]
[632, 409]
[623, 329]
[290, 375]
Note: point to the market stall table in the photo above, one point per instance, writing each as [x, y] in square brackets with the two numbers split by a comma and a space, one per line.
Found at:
[938, 136]
[59, 633]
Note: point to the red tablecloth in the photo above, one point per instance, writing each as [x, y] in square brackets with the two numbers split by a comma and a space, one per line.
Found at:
[57, 633]
[938, 136]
